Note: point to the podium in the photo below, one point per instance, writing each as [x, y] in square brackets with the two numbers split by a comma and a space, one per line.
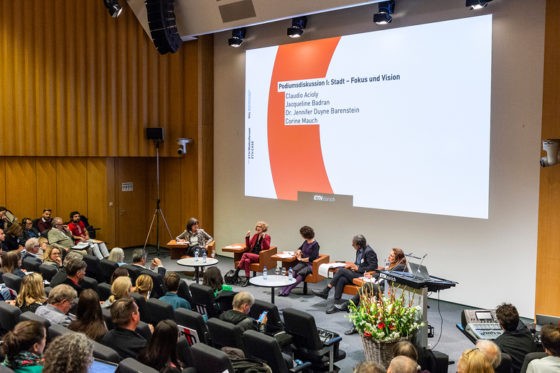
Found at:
[418, 288]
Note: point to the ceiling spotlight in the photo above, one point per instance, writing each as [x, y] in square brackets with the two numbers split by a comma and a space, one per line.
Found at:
[237, 36]
[298, 25]
[113, 7]
[384, 11]
[477, 4]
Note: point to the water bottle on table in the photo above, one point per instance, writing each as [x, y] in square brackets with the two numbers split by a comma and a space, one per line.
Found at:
[265, 273]
[196, 255]
[204, 256]
[290, 274]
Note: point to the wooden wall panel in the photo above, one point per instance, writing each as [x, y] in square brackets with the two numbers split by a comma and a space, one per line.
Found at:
[71, 186]
[548, 257]
[21, 186]
[46, 184]
[97, 199]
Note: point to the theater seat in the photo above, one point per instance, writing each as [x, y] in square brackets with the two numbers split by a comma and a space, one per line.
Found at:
[209, 359]
[130, 365]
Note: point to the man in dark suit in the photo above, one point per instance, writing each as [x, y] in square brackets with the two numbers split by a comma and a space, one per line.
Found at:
[156, 270]
[366, 260]
[31, 253]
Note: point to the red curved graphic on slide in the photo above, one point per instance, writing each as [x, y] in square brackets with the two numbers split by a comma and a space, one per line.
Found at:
[296, 158]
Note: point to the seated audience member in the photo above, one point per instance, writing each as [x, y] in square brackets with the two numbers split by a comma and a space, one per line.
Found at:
[118, 273]
[117, 255]
[60, 301]
[80, 234]
[14, 237]
[222, 292]
[369, 367]
[3, 247]
[52, 256]
[44, 224]
[516, 341]
[144, 286]
[406, 348]
[402, 364]
[11, 263]
[161, 351]
[172, 281]
[259, 241]
[89, 319]
[550, 338]
[29, 231]
[124, 339]
[366, 260]
[195, 237]
[23, 347]
[473, 361]
[120, 288]
[61, 237]
[75, 273]
[32, 293]
[60, 276]
[239, 315]
[32, 251]
[71, 352]
[7, 218]
[305, 255]
[156, 269]
[491, 350]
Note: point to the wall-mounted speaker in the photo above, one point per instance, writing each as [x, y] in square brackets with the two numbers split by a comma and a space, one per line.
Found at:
[154, 133]
[161, 19]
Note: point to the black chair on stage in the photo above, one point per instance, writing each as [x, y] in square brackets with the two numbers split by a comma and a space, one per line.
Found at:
[209, 359]
[224, 334]
[158, 310]
[203, 300]
[106, 269]
[103, 290]
[48, 271]
[130, 365]
[92, 269]
[9, 317]
[265, 347]
[193, 320]
[12, 281]
[321, 351]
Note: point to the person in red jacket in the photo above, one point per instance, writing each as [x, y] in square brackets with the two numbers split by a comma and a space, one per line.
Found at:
[254, 245]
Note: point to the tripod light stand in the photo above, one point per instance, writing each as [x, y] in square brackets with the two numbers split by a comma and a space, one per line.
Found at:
[158, 211]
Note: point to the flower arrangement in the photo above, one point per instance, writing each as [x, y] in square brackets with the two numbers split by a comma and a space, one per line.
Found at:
[385, 318]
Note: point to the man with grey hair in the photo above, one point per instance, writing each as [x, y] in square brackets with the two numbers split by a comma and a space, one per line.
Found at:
[366, 260]
[402, 364]
[60, 301]
[155, 270]
[239, 315]
[32, 252]
[491, 351]
[60, 276]
[61, 237]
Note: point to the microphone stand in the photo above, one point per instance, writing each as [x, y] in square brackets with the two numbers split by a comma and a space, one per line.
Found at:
[158, 211]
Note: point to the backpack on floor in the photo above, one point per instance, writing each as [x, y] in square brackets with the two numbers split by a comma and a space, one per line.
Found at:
[229, 278]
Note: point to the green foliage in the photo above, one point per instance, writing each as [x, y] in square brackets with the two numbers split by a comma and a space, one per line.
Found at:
[385, 318]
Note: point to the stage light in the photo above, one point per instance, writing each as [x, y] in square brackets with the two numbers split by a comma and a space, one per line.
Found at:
[237, 36]
[477, 4]
[113, 7]
[298, 25]
[384, 13]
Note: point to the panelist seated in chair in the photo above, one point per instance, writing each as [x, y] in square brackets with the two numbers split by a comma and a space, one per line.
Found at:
[366, 260]
[195, 237]
[253, 246]
[305, 255]
[80, 234]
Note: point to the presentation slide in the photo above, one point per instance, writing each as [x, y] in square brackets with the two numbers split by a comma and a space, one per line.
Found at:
[397, 119]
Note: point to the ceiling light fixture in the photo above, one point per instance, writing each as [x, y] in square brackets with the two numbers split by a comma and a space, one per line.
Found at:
[477, 4]
[384, 13]
[237, 36]
[113, 7]
[298, 25]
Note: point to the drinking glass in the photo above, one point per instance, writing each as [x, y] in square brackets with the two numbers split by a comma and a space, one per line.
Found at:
[283, 271]
[277, 271]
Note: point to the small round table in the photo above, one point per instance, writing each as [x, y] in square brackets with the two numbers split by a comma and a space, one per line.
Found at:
[272, 281]
[197, 263]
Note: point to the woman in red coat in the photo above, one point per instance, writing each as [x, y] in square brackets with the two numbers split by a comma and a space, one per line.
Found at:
[259, 241]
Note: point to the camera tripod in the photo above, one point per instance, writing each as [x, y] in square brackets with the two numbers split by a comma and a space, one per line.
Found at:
[158, 211]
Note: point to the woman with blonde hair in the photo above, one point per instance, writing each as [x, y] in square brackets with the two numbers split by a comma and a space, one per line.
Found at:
[52, 256]
[119, 289]
[32, 293]
[144, 285]
[474, 361]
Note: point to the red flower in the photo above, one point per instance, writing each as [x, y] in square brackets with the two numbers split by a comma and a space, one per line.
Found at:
[381, 325]
[367, 334]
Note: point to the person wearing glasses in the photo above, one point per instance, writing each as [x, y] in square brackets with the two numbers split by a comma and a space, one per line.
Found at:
[29, 231]
[61, 299]
[254, 245]
[75, 273]
[195, 237]
[61, 237]
[32, 252]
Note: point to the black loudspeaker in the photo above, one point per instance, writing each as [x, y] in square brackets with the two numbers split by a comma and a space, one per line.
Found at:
[155, 133]
[161, 19]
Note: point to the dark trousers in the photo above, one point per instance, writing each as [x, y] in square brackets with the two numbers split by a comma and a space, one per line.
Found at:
[341, 278]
